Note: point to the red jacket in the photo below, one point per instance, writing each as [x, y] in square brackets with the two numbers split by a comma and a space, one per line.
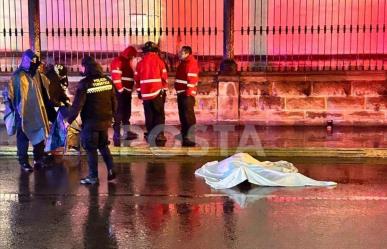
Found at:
[187, 76]
[121, 71]
[151, 76]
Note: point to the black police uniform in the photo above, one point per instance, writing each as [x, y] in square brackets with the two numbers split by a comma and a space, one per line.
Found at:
[95, 99]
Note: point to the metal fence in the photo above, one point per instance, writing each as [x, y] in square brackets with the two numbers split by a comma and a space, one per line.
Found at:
[14, 35]
[270, 35]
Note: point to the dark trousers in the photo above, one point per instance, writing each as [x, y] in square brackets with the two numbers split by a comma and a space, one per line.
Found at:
[154, 113]
[186, 113]
[22, 143]
[124, 110]
[93, 141]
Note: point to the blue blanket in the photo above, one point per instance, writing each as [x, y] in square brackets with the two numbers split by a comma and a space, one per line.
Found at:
[57, 136]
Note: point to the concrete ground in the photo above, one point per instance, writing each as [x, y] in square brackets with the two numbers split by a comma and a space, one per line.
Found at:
[159, 203]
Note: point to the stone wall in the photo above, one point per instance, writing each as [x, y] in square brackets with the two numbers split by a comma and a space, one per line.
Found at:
[353, 98]
[347, 98]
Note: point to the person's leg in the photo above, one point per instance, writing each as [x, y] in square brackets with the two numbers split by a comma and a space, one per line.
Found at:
[38, 152]
[181, 99]
[106, 155]
[22, 150]
[190, 117]
[129, 135]
[189, 122]
[22, 146]
[125, 102]
[148, 112]
[129, 106]
[159, 117]
[159, 113]
[180, 107]
[90, 143]
[117, 121]
[104, 149]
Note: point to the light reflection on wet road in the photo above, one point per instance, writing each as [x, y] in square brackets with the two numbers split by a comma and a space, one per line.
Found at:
[159, 203]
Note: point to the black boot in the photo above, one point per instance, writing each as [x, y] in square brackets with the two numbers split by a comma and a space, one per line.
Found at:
[39, 164]
[188, 143]
[26, 167]
[111, 175]
[131, 135]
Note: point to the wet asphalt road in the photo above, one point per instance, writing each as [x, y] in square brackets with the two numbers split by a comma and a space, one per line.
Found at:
[159, 203]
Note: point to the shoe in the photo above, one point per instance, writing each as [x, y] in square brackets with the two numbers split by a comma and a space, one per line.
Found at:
[39, 164]
[26, 167]
[111, 175]
[131, 135]
[89, 180]
[188, 143]
[48, 158]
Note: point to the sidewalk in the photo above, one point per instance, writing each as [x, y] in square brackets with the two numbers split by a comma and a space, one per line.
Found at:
[224, 140]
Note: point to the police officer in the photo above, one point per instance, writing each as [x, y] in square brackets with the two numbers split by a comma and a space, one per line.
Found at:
[186, 89]
[96, 101]
[151, 85]
[122, 76]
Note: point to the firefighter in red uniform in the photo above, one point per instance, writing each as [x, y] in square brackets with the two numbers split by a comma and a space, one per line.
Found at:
[186, 88]
[151, 85]
[123, 80]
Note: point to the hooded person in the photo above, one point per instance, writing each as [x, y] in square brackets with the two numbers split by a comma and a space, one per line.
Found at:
[57, 74]
[95, 100]
[25, 94]
[122, 76]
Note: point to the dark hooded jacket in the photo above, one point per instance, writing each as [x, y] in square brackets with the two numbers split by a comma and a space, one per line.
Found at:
[57, 87]
[95, 98]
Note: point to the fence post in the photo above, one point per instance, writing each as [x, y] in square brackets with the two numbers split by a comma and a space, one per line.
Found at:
[228, 80]
[228, 65]
[34, 25]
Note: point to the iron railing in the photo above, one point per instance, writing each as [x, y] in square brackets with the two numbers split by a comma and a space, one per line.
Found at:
[270, 35]
[111, 25]
[14, 35]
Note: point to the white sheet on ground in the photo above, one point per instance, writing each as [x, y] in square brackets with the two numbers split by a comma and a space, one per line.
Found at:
[241, 167]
